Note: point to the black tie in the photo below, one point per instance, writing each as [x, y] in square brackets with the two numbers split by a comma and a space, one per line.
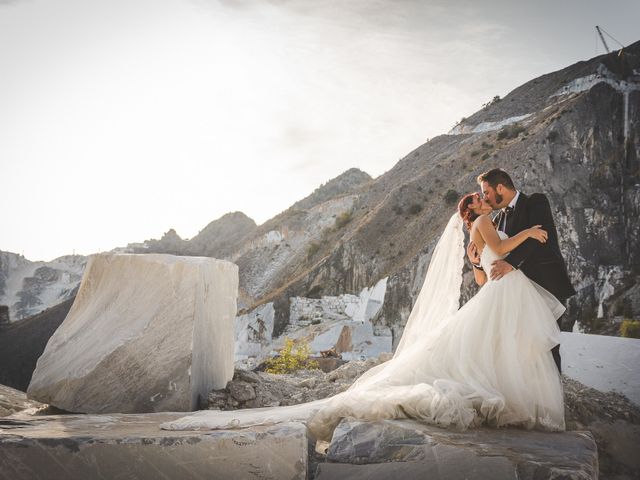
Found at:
[507, 212]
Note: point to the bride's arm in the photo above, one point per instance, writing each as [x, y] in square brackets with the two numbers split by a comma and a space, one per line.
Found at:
[480, 276]
[490, 235]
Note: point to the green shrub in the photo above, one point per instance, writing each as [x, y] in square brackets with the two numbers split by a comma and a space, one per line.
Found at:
[630, 328]
[291, 357]
[511, 131]
[415, 209]
[451, 196]
[343, 219]
[313, 248]
[315, 292]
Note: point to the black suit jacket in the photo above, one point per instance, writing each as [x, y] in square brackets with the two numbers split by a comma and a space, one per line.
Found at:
[541, 262]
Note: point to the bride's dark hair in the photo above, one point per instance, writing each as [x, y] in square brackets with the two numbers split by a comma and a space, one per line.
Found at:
[468, 215]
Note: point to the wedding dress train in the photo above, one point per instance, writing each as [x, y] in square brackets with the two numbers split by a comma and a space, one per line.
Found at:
[487, 363]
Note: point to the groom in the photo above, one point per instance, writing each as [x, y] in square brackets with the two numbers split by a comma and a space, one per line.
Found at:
[541, 262]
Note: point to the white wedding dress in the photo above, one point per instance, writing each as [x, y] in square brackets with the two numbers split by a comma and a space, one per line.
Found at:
[487, 363]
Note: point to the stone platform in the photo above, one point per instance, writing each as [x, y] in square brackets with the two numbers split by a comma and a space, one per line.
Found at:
[133, 446]
[409, 450]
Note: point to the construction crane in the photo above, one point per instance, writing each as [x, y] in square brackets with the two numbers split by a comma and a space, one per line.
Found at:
[606, 47]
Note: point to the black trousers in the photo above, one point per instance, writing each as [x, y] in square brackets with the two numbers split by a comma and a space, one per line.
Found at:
[563, 325]
[555, 351]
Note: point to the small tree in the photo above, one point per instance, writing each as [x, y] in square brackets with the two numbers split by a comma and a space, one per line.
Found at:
[292, 357]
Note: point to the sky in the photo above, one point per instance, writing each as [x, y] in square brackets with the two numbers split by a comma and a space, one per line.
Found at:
[122, 119]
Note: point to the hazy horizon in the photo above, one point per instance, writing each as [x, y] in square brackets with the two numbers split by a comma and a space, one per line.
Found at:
[122, 120]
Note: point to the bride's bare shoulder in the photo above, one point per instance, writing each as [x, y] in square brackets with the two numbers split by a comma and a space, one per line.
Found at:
[484, 218]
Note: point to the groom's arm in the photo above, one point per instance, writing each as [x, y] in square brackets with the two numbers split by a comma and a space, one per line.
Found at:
[539, 214]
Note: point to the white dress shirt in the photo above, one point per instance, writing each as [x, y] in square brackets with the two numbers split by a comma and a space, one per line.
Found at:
[512, 204]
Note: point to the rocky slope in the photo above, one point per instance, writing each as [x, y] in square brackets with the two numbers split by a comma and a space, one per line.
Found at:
[572, 134]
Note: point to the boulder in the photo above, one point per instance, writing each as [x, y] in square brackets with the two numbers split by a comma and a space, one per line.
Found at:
[408, 449]
[133, 446]
[146, 333]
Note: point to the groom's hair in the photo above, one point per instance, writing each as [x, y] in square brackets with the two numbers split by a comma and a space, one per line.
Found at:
[495, 177]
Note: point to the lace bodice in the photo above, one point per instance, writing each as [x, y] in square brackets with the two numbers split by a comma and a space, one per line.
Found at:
[488, 256]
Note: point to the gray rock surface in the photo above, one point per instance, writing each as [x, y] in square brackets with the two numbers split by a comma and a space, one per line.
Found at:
[407, 449]
[84, 447]
[614, 422]
[146, 333]
[134, 446]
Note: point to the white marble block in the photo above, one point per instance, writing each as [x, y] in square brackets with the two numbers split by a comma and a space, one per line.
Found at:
[146, 333]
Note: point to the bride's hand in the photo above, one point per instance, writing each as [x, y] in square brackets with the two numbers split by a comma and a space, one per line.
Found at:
[537, 233]
[472, 253]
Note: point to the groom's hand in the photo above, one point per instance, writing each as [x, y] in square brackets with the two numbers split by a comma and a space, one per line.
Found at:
[499, 269]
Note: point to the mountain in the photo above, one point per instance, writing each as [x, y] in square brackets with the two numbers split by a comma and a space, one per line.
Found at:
[219, 238]
[274, 252]
[572, 134]
[30, 287]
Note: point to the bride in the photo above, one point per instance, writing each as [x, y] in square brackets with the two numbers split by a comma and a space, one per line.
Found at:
[486, 363]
